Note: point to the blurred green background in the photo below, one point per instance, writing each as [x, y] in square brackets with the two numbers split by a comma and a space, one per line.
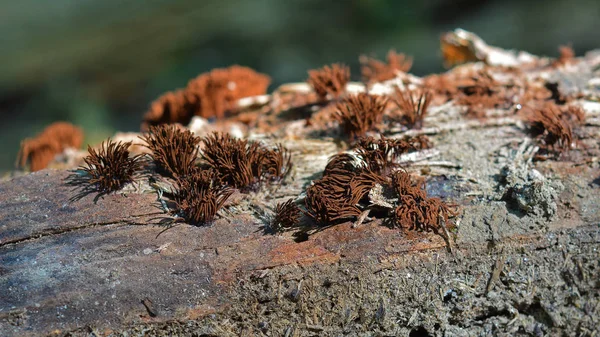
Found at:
[98, 63]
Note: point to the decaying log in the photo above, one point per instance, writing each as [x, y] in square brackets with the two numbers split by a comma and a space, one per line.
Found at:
[523, 258]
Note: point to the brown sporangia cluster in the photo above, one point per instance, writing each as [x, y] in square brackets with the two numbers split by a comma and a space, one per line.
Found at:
[378, 155]
[277, 163]
[329, 80]
[335, 197]
[343, 192]
[545, 110]
[226, 163]
[342, 162]
[287, 215]
[346, 182]
[574, 114]
[415, 210]
[552, 125]
[461, 85]
[374, 70]
[53, 140]
[479, 91]
[200, 195]
[482, 93]
[221, 88]
[360, 113]
[110, 167]
[413, 106]
[443, 87]
[173, 150]
[173, 107]
[199, 189]
[381, 154]
[208, 95]
[242, 163]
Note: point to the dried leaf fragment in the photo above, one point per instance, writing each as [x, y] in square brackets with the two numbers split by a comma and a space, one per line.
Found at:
[457, 50]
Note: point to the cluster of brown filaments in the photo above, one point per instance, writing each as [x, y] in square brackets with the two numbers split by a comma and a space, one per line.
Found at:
[329, 80]
[245, 164]
[109, 168]
[225, 164]
[373, 70]
[202, 181]
[205, 172]
[287, 215]
[362, 113]
[173, 151]
[200, 196]
[358, 114]
[371, 179]
[546, 112]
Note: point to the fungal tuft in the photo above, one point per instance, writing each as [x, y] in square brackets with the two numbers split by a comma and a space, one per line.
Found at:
[329, 80]
[174, 151]
[360, 113]
[110, 168]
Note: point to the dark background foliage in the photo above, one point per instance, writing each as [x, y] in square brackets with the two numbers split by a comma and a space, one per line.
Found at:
[98, 63]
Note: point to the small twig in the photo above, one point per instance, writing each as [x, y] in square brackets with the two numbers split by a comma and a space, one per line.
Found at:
[361, 218]
[412, 317]
[447, 237]
[592, 122]
[440, 163]
[149, 307]
[495, 273]
[473, 193]
[414, 157]
[514, 319]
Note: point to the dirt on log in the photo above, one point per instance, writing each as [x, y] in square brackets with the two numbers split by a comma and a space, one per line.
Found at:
[523, 257]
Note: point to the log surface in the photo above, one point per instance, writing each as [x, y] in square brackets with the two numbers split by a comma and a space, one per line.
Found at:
[113, 266]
